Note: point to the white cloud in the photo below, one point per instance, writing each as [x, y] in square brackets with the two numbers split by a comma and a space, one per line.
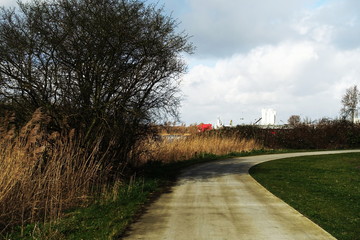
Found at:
[312, 30]
[336, 22]
[293, 77]
[223, 27]
[297, 57]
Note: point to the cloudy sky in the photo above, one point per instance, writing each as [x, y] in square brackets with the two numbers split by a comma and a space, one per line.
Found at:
[295, 56]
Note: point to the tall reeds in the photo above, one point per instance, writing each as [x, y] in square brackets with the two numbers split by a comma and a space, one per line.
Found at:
[41, 174]
[187, 147]
[44, 172]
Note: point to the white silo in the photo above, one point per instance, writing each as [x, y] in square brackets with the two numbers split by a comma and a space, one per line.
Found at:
[268, 116]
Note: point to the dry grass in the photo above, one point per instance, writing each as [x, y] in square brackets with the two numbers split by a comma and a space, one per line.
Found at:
[185, 148]
[177, 130]
[41, 173]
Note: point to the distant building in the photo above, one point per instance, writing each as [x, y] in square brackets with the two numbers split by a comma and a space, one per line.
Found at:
[204, 127]
[268, 116]
[219, 123]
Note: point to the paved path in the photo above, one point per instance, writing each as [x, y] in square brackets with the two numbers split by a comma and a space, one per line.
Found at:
[220, 200]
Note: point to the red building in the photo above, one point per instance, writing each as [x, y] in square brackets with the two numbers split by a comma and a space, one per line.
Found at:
[204, 127]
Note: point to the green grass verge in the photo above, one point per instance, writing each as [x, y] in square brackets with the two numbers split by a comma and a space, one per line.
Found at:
[324, 188]
[108, 219]
[105, 219]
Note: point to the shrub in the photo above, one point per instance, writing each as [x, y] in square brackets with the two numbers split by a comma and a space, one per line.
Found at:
[330, 135]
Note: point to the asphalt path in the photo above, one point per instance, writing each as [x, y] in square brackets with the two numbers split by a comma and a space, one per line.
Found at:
[220, 200]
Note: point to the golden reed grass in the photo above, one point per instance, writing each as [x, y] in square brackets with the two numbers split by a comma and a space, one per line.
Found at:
[42, 174]
[187, 147]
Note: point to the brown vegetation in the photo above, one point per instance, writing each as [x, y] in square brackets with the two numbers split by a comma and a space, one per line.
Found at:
[45, 172]
[187, 147]
[42, 174]
[168, 129]
[327, 134]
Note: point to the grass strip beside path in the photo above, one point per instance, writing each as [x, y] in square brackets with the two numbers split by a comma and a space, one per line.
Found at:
[324, 188]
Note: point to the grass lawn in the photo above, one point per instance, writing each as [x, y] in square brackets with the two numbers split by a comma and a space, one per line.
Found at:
[324, 188]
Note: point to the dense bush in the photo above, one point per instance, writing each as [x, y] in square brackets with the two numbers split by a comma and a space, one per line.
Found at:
[337, 134]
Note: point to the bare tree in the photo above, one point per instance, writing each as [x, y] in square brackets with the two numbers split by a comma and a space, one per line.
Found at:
[294, 120]
[350, 101]
[324, 121]
[110, 66]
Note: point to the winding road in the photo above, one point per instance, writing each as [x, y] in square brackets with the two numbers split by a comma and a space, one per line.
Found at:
[220, 200]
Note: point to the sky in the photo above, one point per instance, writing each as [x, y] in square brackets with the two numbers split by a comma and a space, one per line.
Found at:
[297, 57]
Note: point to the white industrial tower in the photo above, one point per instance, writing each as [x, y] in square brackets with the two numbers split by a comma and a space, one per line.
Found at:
[268, 116]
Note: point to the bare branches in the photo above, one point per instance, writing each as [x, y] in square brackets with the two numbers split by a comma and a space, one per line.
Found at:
[97, 63]
[350, 102]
